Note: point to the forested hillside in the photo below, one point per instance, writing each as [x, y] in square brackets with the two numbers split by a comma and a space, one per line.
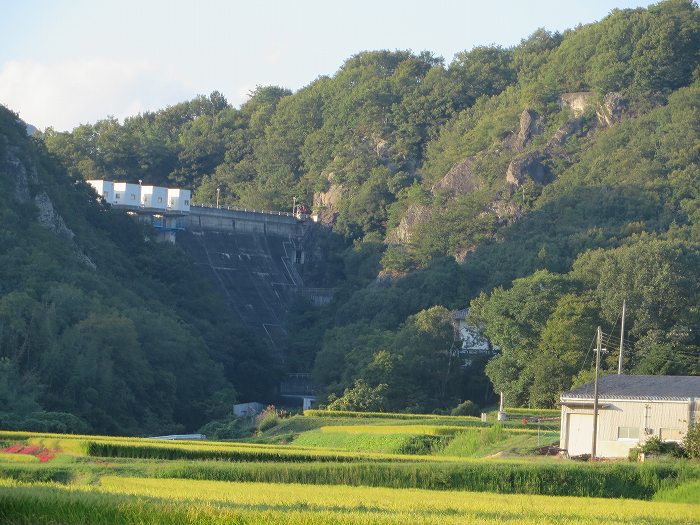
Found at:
[543, 184]
[99, 327]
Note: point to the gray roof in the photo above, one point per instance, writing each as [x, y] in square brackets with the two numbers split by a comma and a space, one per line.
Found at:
[639, 387]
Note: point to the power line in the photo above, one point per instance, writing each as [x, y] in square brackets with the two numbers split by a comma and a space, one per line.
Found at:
[583, 365]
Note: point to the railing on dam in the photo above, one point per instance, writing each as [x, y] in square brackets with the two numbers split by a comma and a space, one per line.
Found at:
[300, 216]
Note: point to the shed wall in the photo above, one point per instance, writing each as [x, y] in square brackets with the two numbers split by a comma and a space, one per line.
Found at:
[640, 415]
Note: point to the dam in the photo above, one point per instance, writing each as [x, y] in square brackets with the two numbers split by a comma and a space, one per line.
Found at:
[255, 258]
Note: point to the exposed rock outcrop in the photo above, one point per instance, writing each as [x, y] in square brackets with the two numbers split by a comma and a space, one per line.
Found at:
[325, 203]
[569, 128]
[612, 109]
[460, 180]
[525, 165]
[24, 179]
[578, 102]
[528, 166]
[49, 218]
[382, 148]
[529, 127]
[415, 214]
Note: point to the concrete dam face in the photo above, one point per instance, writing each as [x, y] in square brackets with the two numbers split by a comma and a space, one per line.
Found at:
[257, 261]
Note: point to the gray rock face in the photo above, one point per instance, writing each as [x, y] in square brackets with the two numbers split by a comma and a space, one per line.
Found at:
[326, 202]
[529, 127]
[459, 180]
[578, 102]
[529, 166]
[22, 177]
[415, 214]
[26, 177]
[50, 219]
[612, 109]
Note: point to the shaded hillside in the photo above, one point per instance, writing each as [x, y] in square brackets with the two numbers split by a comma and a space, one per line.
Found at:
[569, 161]
[99, 326]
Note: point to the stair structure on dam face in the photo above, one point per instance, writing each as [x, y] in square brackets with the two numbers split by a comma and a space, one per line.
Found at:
[257, 260]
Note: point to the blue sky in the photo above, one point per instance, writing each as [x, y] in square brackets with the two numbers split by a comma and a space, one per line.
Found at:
[63, 63]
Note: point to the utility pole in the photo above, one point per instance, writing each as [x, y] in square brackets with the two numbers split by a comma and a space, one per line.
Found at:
[595, 393]
[622, 337]
[501, 409]
[218, 191]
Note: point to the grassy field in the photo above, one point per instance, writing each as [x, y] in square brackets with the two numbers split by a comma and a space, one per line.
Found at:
[121, 500]
[336, 468]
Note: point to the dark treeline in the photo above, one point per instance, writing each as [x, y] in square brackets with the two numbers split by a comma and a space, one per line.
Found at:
[542, 184]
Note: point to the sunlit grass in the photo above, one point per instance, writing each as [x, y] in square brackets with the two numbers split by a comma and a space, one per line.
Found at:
[688, 492]
[18, 458]
[136, 500]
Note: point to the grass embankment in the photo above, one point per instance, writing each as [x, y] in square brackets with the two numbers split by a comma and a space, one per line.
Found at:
[135, 500]
[443, 440]
[140, 448]
[387, 416]
[688, 492]
[504, 476]
[497, 441]
[515, 417]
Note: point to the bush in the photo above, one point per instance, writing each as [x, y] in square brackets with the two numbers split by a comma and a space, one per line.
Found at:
[654, 446]
[466, 408]
[691, 441]
[267, 419]
[228, 428]
[423, 445]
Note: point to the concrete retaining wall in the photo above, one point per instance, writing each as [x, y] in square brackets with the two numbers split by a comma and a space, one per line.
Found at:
[239, 221]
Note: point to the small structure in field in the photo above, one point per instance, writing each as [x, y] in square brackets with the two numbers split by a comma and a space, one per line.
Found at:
[177, 437]
[631, 410]
[247, 409]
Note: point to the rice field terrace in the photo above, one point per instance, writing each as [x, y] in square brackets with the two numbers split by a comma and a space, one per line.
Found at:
[338, 468]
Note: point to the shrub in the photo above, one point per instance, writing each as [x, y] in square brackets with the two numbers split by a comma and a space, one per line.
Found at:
[691, 441]
[466, 408]
[656, 447]
[423, 445]
[267, 419]
[228, 428]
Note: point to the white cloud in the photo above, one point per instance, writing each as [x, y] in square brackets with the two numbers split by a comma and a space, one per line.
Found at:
[72, 92]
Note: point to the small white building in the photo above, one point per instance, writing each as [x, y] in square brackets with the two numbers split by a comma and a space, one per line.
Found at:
[104, 189]
[631, 409]
[248, 409]
[127, 194]
[472, 343]
[154, 197]
[179, 200]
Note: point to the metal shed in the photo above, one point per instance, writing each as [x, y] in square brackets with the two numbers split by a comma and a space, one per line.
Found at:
[631, 410]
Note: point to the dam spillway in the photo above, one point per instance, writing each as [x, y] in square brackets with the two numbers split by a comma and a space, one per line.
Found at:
[255, 259]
